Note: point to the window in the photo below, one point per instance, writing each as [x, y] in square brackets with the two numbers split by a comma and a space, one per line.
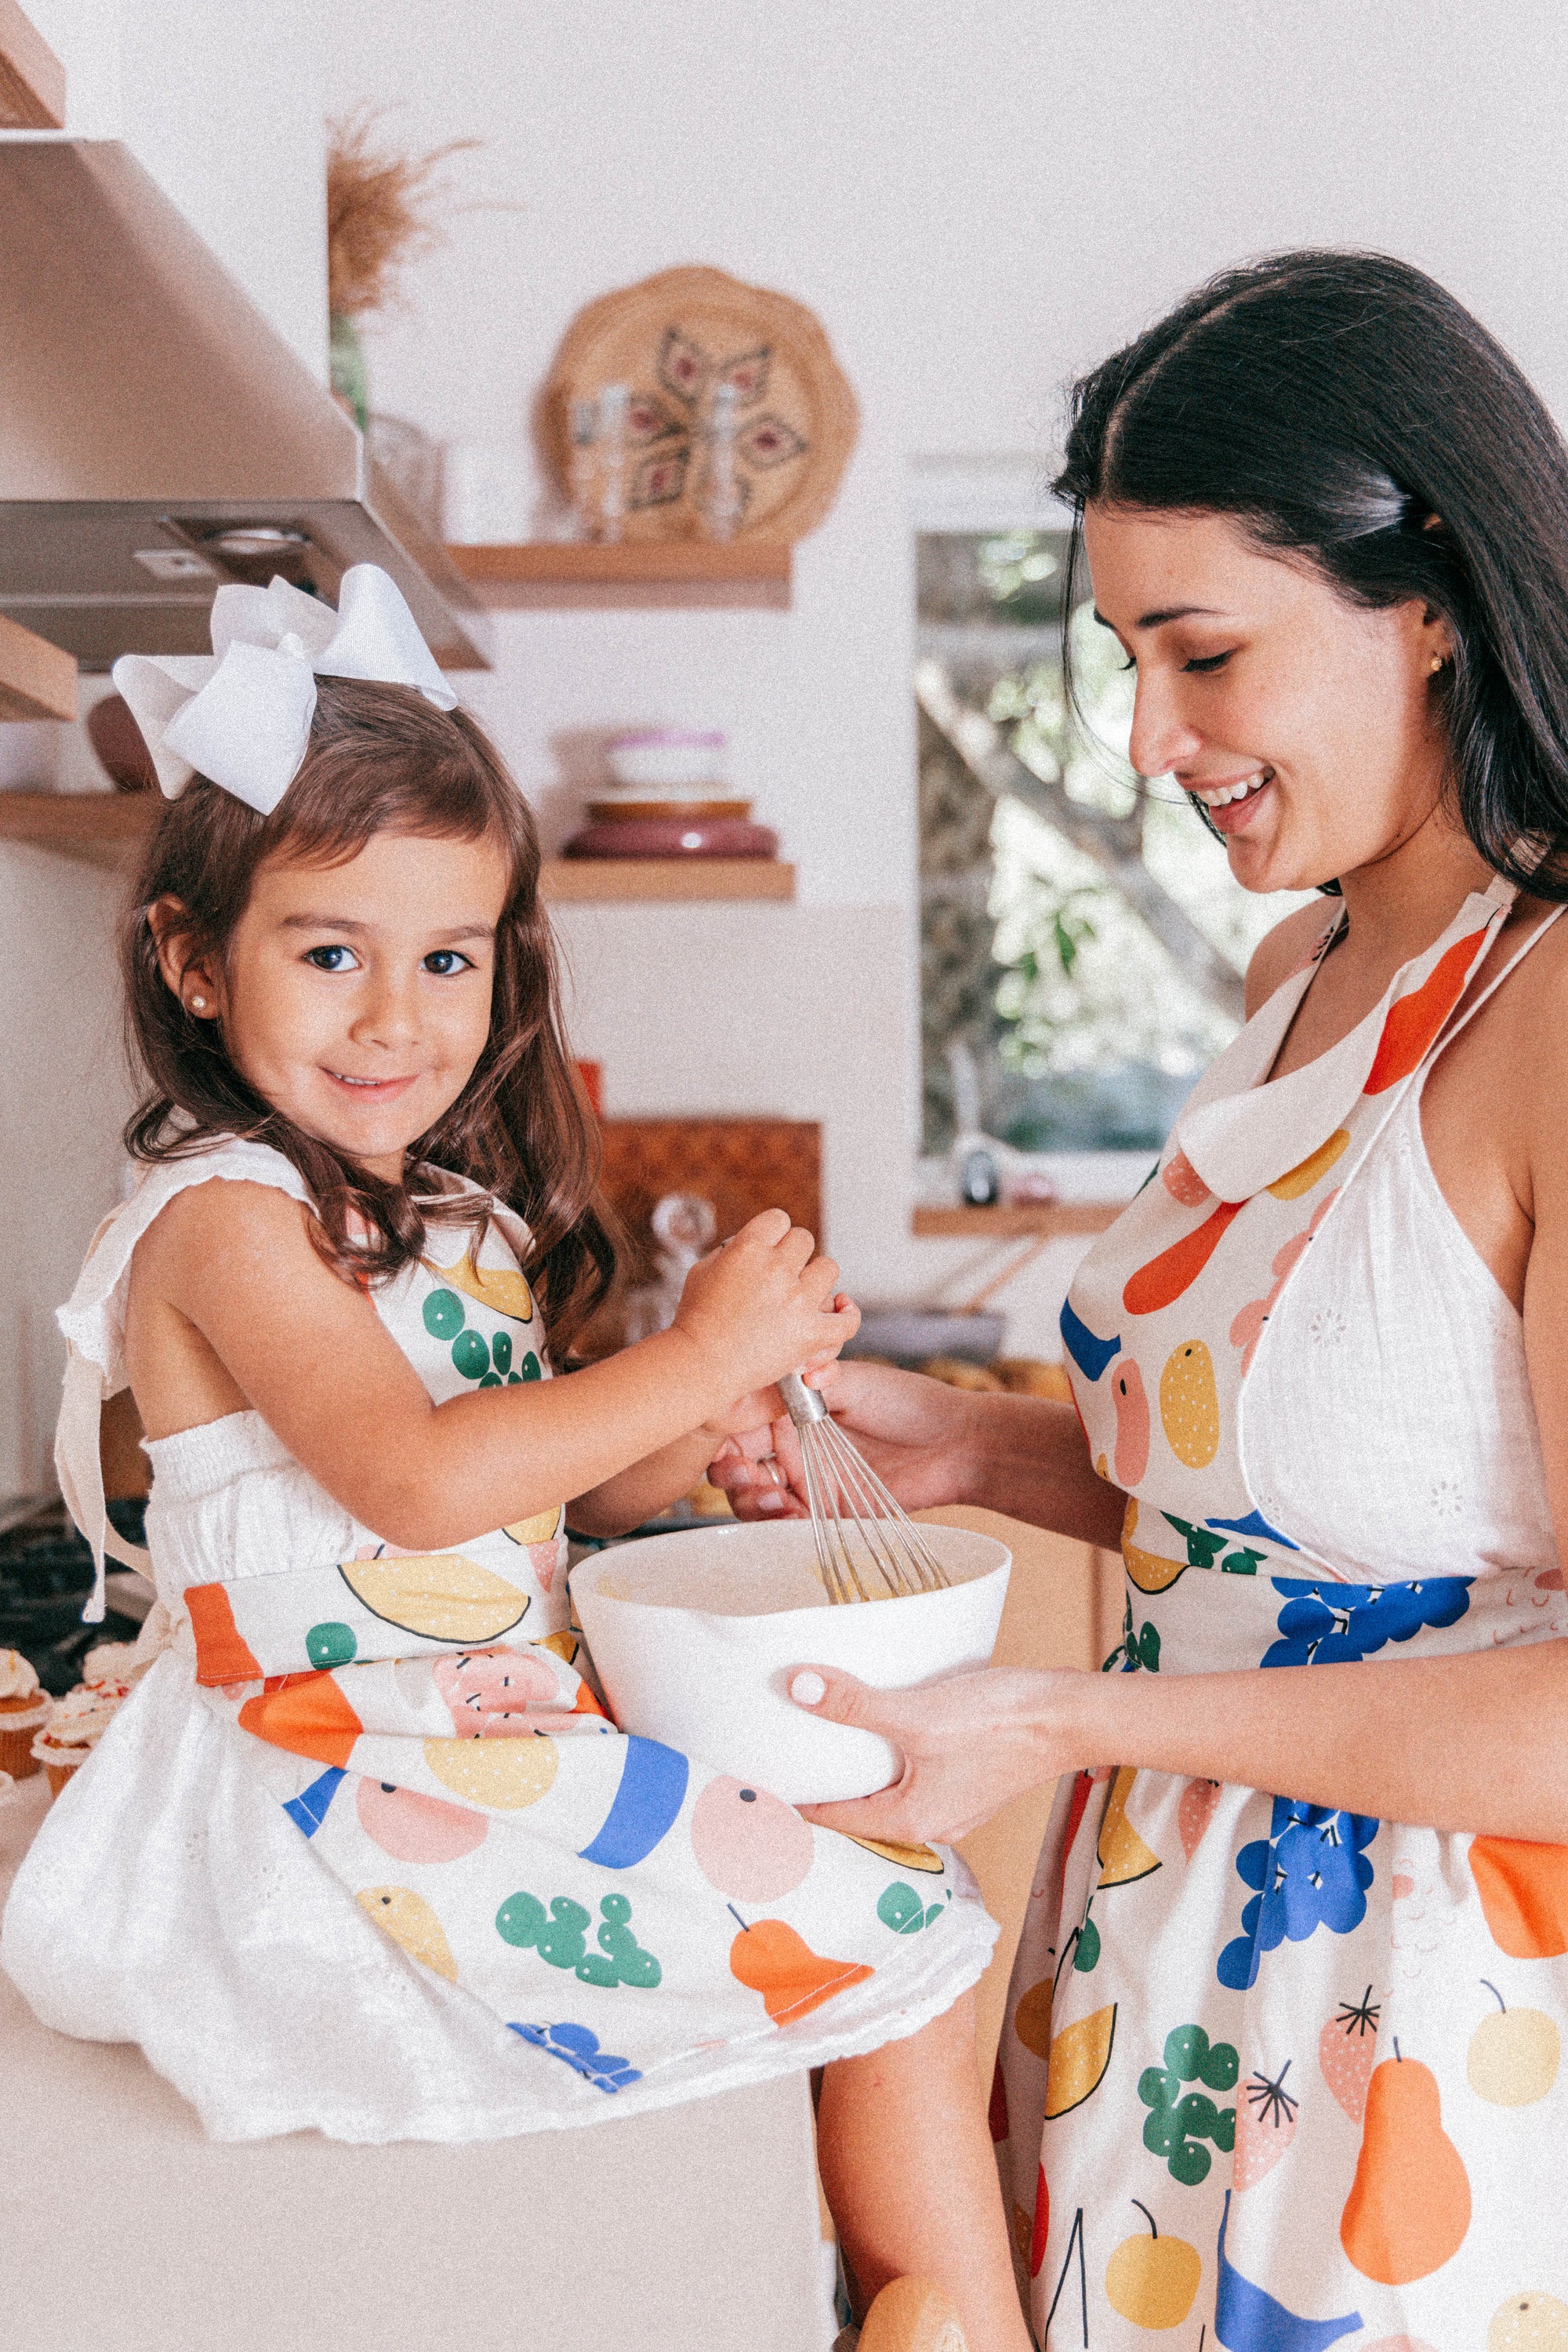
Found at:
[1082, 942]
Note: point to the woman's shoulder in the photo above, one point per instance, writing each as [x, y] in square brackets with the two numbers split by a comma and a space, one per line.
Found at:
[1280, 953]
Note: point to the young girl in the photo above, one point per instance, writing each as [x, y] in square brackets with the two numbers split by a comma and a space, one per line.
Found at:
[361, 1851]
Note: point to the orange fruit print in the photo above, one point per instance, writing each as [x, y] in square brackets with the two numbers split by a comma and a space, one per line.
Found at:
[1409, 2205]
[1523, 1889]
[1415, 1020]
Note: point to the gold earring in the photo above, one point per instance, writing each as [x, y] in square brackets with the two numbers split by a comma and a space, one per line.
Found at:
[1437, 664]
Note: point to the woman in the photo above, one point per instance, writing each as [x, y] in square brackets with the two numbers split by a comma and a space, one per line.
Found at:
[1281, 2057]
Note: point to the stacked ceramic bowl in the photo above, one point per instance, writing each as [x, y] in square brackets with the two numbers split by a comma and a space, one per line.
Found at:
[668, 797]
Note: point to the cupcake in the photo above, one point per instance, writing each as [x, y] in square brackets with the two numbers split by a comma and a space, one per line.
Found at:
[76, 1725]
[23, 1710]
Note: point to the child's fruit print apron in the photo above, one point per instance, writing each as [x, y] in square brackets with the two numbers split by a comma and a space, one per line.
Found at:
[1273, 2076]
[634, 1926]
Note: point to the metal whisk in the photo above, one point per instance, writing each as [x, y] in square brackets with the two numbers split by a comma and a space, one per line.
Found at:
[863, 1536]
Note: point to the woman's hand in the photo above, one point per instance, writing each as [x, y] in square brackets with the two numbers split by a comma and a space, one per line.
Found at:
[912, 1431]
[968, 1744]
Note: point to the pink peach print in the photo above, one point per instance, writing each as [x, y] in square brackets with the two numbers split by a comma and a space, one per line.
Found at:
[490, 1692]
[1248, 1328]
[1132, 1424]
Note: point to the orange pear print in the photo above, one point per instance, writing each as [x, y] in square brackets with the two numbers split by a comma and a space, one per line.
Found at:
[769, 1958]
[1409, 2205]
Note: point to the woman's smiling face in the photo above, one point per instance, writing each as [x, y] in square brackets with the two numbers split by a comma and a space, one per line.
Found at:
[1307, 725]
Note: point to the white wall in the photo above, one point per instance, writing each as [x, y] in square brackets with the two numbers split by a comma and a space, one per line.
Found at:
[222, 104]
[977, 202]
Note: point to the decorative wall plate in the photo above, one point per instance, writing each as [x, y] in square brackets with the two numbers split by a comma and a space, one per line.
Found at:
[672, 339]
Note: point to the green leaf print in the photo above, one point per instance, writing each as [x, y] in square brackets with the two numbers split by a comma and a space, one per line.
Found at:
[1138, 1650]
[1179, 2122]
[1203, 1546]
[1086, 1951]
[471, 1354]
[901, 1908]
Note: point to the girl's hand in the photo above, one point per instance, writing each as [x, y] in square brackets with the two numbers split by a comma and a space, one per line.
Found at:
[913, 1432]
[968, 1744]
[763, 1304]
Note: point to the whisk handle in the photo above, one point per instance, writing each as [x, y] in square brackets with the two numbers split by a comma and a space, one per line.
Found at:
[804, 1405]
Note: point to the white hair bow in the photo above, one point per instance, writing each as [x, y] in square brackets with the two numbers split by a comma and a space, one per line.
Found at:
[241, 715]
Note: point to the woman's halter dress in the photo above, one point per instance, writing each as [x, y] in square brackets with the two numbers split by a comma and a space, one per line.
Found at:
[363, 1851]
[1273, 2071]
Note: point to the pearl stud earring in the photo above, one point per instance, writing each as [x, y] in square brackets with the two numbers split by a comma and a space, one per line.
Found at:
[198, 1005]
[1437, 664]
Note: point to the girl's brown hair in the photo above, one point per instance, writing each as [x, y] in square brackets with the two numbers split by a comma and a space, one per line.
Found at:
[380, 758]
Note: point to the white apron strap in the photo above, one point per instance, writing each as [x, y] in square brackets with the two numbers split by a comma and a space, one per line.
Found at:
[80, 1469]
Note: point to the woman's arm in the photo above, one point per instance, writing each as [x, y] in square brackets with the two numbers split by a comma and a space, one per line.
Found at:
[1024, 1455]
[1479, 1742]
[226, 1280]
[1475, 1742]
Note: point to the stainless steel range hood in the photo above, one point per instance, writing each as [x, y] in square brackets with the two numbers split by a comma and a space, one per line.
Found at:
[158, 437]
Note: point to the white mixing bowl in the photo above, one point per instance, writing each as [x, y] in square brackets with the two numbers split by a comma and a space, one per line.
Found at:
[694, 1636]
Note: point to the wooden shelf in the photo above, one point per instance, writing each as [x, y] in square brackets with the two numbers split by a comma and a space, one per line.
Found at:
[565, 880]
[1016, 1222]
[37, 680]
[102, 828]
[31, 78]
[108, 828]
[646, 571]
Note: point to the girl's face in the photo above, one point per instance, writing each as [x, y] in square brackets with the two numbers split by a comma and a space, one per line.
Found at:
[1307, 726]
[356, 997]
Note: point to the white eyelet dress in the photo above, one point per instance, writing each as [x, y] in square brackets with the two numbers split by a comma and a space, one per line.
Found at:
[361, 1851]
[1274, 2076]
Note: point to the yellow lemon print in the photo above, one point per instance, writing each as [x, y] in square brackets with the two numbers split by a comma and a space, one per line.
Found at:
[408, 1919]
[1189, 1405]
[1149, 1572]
[902, 1857]
[540, 1529]
[1079, 2056]
[505, 1774]
[1532, 2322]
[500, 1287]
[1032, 2018]
[1301, 1179]
[1121, 1853]
[565, 1646]
[439, 1595]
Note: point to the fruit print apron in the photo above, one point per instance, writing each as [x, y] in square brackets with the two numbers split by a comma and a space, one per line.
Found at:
[1274, 2076]
[648, 1928]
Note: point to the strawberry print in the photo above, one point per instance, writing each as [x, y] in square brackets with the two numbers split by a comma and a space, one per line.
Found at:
[1347, 2051]
[1265, 2126]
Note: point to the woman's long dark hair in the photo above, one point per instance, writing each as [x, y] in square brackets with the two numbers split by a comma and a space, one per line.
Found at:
[1346, 410]
[380, 758]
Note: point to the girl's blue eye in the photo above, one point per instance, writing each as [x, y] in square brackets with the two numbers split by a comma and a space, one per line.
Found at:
[444, 961]
[327, 959]
[1209, 662]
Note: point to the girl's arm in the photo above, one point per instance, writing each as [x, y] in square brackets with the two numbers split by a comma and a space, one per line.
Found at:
[229, 1298]
[932, 1444]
